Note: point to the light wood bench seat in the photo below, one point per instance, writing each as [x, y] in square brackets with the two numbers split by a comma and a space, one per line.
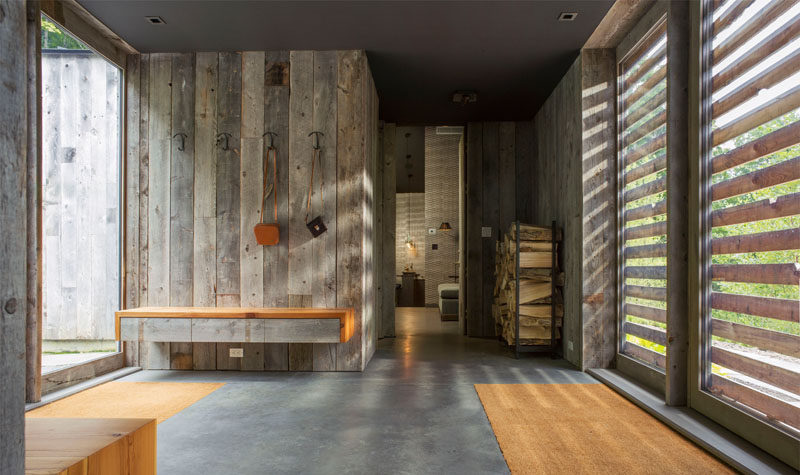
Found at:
[83, 446]
[235, 325]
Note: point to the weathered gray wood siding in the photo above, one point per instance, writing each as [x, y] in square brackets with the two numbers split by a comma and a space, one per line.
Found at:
[191, 212]
[13, 152]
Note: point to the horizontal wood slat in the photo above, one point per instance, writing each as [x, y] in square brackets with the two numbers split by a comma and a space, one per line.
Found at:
[648, 168]
[771, 76]
[645, 87]
[650, 188]
[774, 408]
[783, 172]
[756, 54]
[647, 230]
[644, 129]
[771, 374]
[783, 104]
[649, 250]
[773, 142]
[784, 240]
[646, 272]
[644, 46]
[750, 29]
[779, 274]
[643, 149]
[646, 211]
[648, 313]
[779, 342]
[644, 354]
[648, 293]
[656, 57]
[779, 309]
[635, 114]
[730, 15]
[645, 332]
[786, 205]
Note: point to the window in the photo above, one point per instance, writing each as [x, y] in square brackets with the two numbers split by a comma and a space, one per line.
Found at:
[642, 86]
[81, 163]
[750, 336]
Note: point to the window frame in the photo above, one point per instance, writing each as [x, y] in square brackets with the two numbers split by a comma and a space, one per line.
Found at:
[771, 439]
[651, 376]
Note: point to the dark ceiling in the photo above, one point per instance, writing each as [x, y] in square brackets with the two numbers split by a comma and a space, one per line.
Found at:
[512, 53]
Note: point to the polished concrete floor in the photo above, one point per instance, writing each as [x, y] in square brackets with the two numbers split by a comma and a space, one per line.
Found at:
[414, 410]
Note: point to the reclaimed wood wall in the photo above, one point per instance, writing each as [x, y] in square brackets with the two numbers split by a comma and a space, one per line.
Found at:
[190, 213]
[13, 153]
[386, 231]
[499, 157]
[573, 175]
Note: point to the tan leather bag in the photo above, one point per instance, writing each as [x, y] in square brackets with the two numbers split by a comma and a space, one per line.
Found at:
[268, 234]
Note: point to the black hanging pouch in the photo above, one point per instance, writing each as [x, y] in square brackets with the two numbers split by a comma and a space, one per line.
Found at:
[316, 226]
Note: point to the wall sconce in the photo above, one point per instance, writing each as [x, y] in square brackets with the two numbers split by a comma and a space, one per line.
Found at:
[445, 227]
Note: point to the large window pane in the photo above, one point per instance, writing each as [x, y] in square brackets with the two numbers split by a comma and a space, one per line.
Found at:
[643, 209]
[81, 106]
[752, 231]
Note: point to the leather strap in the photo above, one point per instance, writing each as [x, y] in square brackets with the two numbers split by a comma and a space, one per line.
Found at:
[316, 157]
[274, 152]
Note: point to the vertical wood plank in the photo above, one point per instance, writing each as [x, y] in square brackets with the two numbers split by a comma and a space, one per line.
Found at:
[224, 361]
[229, 112]
[205, 182]
[474, 216]
[349, 206]
[301, 77]
[301, 355]
[132, 98]
[378, 230]
[12, 238]
[388, 231]
[159, 171]
[33, 311]
[599, 215]
[181, 202]
[506, 176]
[525, 156]
[276, 258]
[204, 356]
[144, 177]
[369, 336]
[323, 278]
[252, 173]
[677, 203]
[180, 355]
[491, 217]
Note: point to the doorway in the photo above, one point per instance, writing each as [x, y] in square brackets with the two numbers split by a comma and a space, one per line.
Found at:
[429, 220]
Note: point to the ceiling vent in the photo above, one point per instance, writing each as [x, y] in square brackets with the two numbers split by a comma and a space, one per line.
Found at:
[449, 130]
[155, 20]
[567, 16]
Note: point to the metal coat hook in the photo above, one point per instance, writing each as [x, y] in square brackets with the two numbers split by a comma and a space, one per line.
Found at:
[183, 136]
[272, 136]
[224, 135]
[316, 135]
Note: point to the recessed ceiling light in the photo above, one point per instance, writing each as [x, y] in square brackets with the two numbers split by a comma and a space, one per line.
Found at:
[567, 16]
[155, 20]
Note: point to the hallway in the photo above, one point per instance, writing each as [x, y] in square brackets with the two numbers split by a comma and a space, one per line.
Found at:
[414, 410]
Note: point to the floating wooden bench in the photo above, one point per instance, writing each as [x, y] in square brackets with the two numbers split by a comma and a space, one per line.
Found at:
[83, 446]
[235, 325]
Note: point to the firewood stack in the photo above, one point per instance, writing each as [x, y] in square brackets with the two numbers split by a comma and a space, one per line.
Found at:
[535, 285]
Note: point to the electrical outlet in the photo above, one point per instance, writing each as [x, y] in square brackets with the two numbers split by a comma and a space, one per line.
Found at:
[431, 230]
[486, 231]
[236, 352]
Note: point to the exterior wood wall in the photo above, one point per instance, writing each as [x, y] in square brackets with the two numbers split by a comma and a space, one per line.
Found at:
[190, 213]
[81, 110]
[13, 153]
[499, 157]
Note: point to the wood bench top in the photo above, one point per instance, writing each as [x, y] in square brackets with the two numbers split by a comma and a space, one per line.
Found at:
[346, 316]
[64, 445]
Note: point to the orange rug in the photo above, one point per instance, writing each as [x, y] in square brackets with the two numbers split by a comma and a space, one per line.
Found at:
[585, 428]
[121, 399]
